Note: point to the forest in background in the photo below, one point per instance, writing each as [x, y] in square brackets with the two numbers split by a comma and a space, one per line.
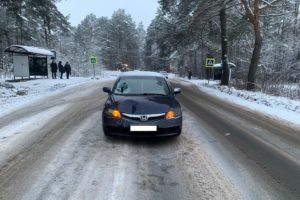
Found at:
[115, 41]
[262, 39]
[261, 35]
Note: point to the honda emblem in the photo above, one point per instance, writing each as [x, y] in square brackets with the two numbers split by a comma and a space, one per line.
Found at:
[144, 118]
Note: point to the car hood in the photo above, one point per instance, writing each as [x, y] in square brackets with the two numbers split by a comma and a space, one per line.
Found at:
[147, 104]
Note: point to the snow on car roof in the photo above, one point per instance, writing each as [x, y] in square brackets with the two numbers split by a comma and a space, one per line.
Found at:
[141, 73]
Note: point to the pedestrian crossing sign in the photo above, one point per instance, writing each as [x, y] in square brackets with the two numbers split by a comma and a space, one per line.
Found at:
[210, 62]
[93, 60]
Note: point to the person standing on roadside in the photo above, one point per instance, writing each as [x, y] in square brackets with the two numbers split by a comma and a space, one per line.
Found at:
[68, 69]
[53, 67]
[61, 69]
[190, 74]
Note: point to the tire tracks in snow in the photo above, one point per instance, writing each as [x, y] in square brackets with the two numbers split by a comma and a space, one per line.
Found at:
[18, 169]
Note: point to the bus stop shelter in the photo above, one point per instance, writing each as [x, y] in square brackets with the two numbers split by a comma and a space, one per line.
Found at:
[217, 70]
[29, 61]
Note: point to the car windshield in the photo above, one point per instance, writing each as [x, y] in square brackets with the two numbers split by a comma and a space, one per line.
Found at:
[141, 86]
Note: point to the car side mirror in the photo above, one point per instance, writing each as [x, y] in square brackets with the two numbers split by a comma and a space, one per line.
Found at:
[177, 90]
[107, 90]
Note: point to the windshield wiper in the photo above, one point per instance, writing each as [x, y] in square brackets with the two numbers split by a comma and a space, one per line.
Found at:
[139, 94]
[152, 94]
[121, 94]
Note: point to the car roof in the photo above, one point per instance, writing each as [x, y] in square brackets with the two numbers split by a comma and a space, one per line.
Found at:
[141, 73]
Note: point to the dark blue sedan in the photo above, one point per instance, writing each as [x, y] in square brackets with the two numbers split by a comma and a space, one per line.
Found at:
[141, 104]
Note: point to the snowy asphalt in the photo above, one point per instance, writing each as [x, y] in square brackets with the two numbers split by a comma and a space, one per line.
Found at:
[223, 153]
[272, 147]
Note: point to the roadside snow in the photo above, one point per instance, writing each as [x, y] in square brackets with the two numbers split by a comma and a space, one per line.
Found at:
[15, 94]
[281, 108]
[18, 134]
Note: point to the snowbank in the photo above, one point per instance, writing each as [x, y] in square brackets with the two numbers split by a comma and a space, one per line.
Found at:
[278, 107]
[15, 94]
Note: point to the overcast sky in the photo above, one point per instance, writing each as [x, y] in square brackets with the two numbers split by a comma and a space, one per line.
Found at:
[140, 10]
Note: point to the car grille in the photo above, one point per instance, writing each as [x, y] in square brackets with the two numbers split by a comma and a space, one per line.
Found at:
[144, 118]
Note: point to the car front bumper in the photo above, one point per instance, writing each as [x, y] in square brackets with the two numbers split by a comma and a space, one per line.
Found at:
[121, 127]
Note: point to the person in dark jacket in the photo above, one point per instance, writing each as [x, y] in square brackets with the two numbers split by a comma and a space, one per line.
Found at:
[53, 67]
[190, 74]
[68, 69]
[61, 69]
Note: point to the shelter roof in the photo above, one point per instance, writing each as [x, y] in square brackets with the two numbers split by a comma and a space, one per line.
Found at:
[28, 50]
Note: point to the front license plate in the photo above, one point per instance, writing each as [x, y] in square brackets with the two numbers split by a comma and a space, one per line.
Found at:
[143, 128]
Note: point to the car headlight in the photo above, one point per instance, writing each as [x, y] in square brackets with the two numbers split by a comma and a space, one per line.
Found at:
[114, 113]
[173, 114]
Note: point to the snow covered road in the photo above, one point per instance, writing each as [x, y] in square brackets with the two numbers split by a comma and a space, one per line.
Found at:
[64, 155]
[267, 149]
[54, 148]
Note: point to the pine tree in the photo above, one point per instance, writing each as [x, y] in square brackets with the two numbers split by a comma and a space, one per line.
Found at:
[141, 35]
[121, 42]
[49, 19]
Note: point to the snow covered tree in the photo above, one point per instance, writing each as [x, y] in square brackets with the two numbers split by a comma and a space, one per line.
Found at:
[250, 22]
[85, 33]
[27, 21]
[121, 42]
[253, 14]
[48, 17]
[115, 41]
[195, 33]
[87, 41]
[141, 34]
[14, 19]
[159, 43]
[31, 22]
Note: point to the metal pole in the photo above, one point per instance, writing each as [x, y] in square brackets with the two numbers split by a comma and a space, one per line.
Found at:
[94, 70]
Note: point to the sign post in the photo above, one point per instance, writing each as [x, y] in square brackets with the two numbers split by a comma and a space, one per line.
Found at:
[209, 64]
[93, 60]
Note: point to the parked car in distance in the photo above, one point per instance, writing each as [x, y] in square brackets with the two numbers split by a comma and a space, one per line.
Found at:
[164, 73]
[141, 104]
